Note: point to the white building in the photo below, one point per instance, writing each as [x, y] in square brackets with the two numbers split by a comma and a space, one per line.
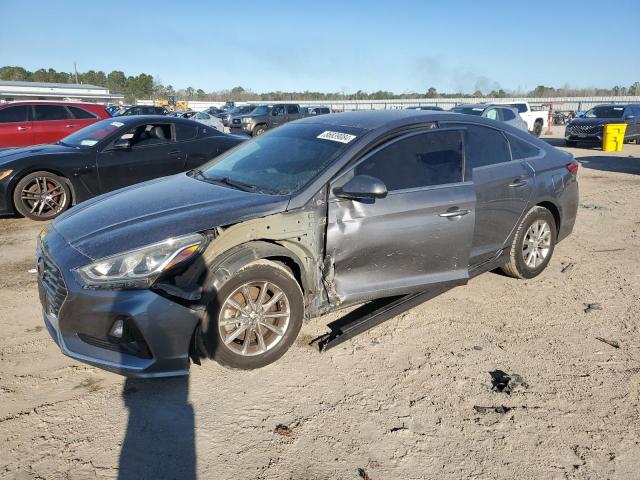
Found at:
[12, 91]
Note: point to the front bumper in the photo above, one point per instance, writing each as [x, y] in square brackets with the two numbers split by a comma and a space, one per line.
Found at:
[158, 330]
[579, 133]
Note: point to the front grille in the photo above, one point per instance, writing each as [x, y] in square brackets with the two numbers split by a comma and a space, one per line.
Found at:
[584, 129]
[52, 283]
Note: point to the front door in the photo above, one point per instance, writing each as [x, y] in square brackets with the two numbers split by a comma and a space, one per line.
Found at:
[153, 153]
[51, 123]
[278, 115]
[419, 235]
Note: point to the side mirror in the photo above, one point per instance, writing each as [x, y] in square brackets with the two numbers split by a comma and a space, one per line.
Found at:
[121, 144]
[360, 187]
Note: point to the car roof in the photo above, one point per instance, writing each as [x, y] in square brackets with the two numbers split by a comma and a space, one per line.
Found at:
[373, 119]
[49, 102]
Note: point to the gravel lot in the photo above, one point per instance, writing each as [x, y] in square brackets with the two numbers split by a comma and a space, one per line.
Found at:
[411, 399]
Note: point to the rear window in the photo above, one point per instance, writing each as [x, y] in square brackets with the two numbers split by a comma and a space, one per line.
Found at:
[521, 107]
[507, 114]
[468, 110]
[80, 113]
[49, 112]
[14, 114]
[521, 149]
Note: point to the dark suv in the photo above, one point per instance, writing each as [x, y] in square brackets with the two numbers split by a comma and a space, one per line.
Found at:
[589, 127]
[265, 117]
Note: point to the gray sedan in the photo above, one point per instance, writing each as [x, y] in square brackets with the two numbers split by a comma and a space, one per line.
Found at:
[319, 214]
[500, 113]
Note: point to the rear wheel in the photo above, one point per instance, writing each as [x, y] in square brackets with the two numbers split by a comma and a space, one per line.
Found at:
[41, 196]
[255, 316]
[537, 128]
[532, 245]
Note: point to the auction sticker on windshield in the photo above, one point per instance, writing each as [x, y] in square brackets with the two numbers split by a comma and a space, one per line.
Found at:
[336, 136]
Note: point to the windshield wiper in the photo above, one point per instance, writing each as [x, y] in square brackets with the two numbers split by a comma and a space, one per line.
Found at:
[245, 187]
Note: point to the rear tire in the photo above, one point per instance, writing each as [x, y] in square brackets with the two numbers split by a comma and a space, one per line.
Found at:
[537, 128]
[248, 334]
[532, 245]
[41, 196]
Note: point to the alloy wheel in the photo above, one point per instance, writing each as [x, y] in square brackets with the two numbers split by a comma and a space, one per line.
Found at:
[536, 244]
[44, 197]
[254, 318]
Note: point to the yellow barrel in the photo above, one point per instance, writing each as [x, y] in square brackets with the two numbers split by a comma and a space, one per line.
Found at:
[613, 137]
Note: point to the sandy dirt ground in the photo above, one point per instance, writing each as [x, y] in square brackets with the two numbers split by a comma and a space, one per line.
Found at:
[410, 399]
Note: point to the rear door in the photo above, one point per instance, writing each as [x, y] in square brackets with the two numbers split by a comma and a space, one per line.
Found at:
[15, 127]
[632, 116]
[503, 188]
[419, 235]
[293, 112]
[278, 115]
[150, 156]
[51, 123]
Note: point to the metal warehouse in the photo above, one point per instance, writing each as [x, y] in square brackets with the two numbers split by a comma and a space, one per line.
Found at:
[12, 91]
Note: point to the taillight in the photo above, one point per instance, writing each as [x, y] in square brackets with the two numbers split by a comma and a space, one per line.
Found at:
[573, 167]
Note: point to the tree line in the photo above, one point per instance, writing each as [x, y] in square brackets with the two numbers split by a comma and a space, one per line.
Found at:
[144, 86]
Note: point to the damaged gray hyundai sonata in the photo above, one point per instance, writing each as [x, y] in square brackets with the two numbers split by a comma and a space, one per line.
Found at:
[383, 209]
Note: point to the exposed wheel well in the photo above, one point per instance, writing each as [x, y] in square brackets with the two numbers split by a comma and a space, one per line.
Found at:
[554, 211]
[292, 266]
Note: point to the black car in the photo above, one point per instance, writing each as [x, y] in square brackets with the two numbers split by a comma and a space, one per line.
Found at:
[589, 127]
[141, 110]
[432, 108]
[227, 260]
[42, 181]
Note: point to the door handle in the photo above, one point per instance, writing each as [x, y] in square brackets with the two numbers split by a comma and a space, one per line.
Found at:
[454, 213]
[20, 129]
[518, 182]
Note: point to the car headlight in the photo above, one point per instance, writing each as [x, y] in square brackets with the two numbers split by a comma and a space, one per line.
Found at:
[141, 267]
[246, 120]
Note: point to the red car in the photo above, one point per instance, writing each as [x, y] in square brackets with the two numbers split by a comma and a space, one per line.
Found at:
[31, 123]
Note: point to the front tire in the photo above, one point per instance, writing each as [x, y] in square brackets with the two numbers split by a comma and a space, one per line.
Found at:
[532, 245]
[259, 130]
[255, 316]
[41, 196]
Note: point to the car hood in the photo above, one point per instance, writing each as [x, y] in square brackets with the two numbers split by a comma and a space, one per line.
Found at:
[595, 121]
[153, 211]
[10, 154]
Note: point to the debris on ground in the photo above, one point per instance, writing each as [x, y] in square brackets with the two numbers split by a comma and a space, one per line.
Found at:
[284, 430]
[506, 383]
[610, 250]
[500, 409]
[589, 307]
[568, 267]
[398, 429]
[363, 475]
[613, 343]
[591, 206]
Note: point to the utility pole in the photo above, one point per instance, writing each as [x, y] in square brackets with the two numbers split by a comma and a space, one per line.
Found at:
[75, 69]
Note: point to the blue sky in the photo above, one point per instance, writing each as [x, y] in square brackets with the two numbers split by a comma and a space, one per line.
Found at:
[401, 45]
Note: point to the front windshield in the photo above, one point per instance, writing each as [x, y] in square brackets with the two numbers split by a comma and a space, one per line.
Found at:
[261, 110]
[605, 112]
[468, 110]
[89, 136]
[284, 160]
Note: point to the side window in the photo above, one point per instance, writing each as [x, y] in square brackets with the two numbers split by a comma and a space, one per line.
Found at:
[484, 146]
[14, 114]
[49, 112]
[421, 160]
[80, 113]
[521, 149]
[292, 109]
[279, 109]
[493, 114]
[185, 132]
[507, 114]
[148, 134]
